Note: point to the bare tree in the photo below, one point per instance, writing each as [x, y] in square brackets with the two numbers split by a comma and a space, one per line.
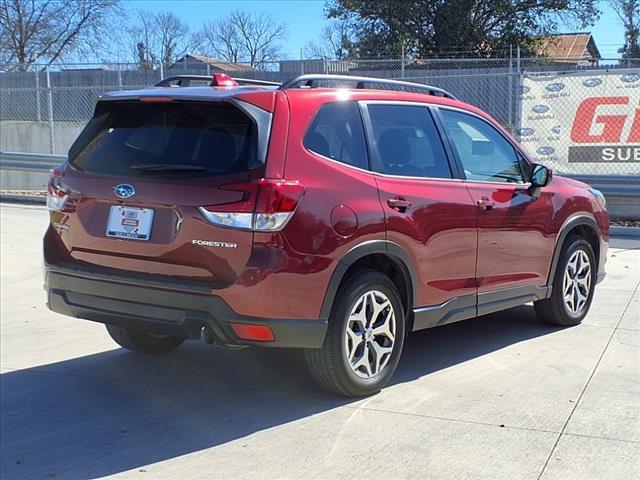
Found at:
[629, 13]
[335, 42]
[245, 37]
[155, 38]
[174, 37]
[144, 39]
[220, 38]
[44, 31]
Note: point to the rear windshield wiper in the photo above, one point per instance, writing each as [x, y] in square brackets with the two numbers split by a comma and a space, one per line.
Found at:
[167, 167]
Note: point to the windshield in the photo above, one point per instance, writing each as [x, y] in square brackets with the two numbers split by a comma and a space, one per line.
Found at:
[135, 139]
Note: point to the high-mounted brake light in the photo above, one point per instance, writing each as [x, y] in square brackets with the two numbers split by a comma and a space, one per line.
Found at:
[56, 193]
[155, 99]
[267, 206]
[222, 80]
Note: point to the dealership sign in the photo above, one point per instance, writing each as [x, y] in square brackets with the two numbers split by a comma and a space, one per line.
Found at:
[581, 122]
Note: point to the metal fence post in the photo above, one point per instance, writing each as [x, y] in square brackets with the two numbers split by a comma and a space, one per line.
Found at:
[519, 76]
[38, 113]
[161, 71]
[52, 141]
[510, 104]
[402, 62]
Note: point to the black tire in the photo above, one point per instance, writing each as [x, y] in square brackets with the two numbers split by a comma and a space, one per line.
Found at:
[329, 365]
[143, 342]
[554, 310]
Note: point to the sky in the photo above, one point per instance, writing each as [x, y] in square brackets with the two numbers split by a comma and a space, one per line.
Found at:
[305, 19]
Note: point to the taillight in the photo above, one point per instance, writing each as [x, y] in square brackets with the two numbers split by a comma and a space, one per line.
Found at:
[57, 194]
[267, 207]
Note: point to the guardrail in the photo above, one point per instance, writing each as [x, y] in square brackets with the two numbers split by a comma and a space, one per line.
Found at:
[610, 185]
[30, 162]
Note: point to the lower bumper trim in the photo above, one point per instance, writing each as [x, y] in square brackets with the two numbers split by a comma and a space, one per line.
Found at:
[169, 312]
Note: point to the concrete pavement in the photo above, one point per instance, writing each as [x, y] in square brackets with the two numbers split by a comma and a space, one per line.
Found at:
[501, 396]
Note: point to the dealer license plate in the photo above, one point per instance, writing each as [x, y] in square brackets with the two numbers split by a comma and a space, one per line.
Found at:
[130, 222]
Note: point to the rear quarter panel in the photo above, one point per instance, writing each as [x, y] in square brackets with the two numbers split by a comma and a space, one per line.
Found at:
[340, 209]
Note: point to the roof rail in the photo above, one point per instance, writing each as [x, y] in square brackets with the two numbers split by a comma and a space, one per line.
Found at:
[214, 80]
[307, 81]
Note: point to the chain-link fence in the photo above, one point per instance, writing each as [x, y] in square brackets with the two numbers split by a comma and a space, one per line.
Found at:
[579, 117]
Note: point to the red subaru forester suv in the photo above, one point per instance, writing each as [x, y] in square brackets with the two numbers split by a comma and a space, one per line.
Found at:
[331, 214]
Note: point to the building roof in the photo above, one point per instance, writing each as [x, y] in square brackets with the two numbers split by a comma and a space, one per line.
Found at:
[569, 47]
[216, 63]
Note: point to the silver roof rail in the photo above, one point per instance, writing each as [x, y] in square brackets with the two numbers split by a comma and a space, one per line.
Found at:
[307, 81]
[185, 81]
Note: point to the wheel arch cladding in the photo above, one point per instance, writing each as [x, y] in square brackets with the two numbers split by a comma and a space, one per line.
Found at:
[583, 226]
[380, 255]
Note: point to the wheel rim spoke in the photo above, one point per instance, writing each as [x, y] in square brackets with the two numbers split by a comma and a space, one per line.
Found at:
[381, 355]
[370, 334]
[355, 342]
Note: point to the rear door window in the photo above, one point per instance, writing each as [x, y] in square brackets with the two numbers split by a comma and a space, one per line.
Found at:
[407, 142]
[337, 133]
[134, 139]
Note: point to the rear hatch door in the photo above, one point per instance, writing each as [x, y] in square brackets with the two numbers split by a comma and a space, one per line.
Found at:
[138, 174]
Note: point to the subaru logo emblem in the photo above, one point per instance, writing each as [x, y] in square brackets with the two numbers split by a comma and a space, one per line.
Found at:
[592, 82]
[540, 109]
[524, 89]
[630, 78]
[556, 129]
[526, 132]
[545, 150]
[554, 87]
[124, 190]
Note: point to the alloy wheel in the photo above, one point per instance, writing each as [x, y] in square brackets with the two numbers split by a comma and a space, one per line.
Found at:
[370, 334]
[576, 284]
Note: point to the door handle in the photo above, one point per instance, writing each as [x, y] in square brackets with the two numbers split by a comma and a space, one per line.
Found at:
[399, 204]
[485, 204]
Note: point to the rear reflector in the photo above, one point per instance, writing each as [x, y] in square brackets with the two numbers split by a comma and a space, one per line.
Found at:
[254, 333]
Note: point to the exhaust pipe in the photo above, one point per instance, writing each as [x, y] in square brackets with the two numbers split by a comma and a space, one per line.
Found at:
[206, 335]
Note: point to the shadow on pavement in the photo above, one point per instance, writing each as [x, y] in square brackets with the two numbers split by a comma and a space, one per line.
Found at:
[115, 411]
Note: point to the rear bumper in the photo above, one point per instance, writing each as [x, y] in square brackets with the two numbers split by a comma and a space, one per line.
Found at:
[165, 311]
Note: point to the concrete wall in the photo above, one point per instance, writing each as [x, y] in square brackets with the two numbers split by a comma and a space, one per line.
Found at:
[31, 136]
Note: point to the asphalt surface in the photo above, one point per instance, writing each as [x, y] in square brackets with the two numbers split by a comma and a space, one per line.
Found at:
[498, 397]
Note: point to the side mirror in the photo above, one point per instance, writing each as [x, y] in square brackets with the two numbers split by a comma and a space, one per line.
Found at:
[540, 176]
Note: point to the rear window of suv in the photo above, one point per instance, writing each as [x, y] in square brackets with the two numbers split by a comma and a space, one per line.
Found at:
[337, 133]
[133, 139]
